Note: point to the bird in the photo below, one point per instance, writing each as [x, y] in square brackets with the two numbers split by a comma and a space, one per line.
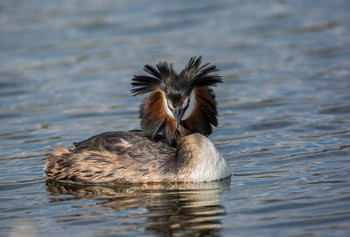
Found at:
[176, 119]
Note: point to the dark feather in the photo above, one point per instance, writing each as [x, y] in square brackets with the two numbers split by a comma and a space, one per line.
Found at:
[200, 75]
[162, 74]
[164, 77]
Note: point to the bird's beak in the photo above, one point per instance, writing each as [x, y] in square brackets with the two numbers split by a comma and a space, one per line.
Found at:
[179, 112]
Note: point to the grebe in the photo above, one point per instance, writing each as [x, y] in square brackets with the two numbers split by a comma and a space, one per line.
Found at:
[176, 119]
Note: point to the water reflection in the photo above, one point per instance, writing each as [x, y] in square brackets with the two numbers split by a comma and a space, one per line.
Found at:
[168, 209]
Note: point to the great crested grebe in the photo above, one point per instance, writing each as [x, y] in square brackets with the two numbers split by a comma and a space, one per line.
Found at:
[172, 147]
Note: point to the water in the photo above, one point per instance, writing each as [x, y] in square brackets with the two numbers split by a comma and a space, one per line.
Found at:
[65, 69]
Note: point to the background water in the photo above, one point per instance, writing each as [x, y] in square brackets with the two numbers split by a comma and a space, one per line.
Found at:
[65, 70]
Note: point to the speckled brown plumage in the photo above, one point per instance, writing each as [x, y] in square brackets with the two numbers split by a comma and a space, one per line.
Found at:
[130, 157]
[127, 157]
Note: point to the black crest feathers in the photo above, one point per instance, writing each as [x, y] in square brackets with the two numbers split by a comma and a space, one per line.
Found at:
[160, 74]
[163, 77]
[200, 75]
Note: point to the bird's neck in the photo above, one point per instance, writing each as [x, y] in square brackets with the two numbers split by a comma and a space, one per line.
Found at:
[198, 160]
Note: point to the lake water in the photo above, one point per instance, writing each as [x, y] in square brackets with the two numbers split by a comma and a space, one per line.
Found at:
[65, 70]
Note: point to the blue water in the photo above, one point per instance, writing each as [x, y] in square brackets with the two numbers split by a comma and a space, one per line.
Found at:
[65, 70]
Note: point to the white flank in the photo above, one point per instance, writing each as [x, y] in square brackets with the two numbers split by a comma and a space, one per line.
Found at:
[210, 164]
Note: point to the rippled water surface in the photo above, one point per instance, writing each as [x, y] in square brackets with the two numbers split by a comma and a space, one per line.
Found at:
[65, 69]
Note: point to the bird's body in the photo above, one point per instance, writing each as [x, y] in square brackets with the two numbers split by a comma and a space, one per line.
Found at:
[130, 157]
[176, 119]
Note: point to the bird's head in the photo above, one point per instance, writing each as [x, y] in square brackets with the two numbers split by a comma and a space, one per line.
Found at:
[178, 104]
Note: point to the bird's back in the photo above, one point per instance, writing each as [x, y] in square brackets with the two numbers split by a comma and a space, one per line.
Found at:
[112, 157]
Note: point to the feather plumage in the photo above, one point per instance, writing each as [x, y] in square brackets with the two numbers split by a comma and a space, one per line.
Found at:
[164, 81]
[130, 157]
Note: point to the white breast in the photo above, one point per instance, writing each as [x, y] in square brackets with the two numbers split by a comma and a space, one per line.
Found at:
[207, 164]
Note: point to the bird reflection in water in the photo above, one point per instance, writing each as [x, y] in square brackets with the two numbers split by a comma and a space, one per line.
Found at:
[171, 209]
